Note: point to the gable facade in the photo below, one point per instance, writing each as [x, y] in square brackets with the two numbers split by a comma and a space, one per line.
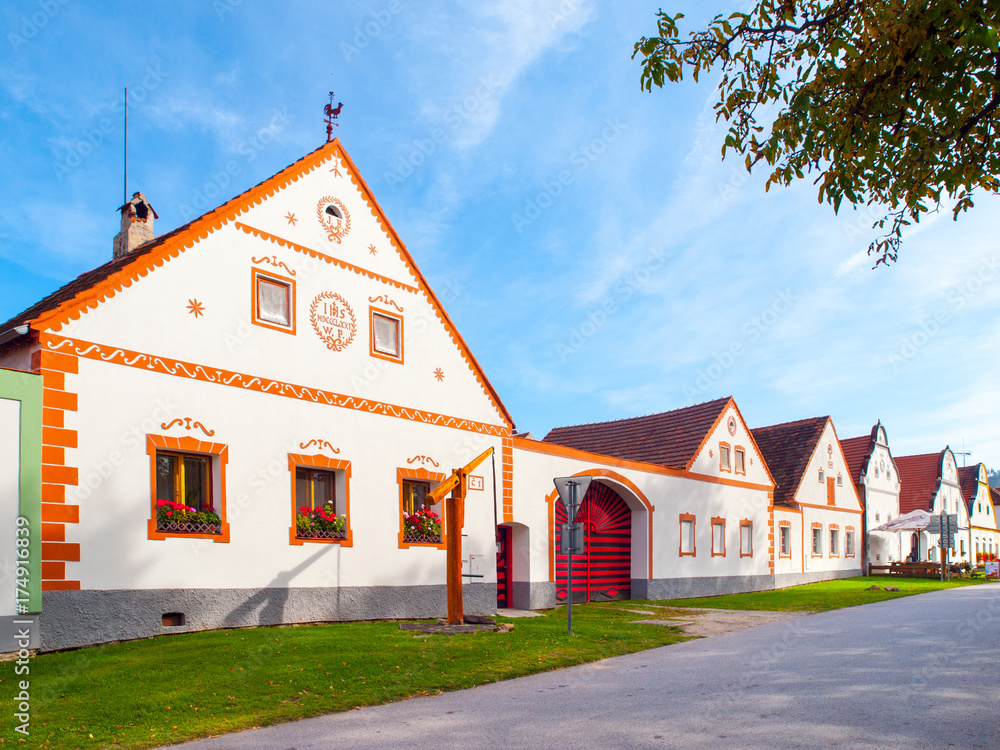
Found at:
[281, 349]
[819, 519]
[983, 531]
[930, 482]
[876, 477]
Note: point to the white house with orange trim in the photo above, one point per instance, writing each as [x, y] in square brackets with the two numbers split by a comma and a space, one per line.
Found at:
[874, 473]
[679, 506]
[817, 511]
[242, 418]
[983, 531]
[930, 482]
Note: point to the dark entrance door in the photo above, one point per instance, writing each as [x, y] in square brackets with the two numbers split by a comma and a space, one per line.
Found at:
[504, 584]
[604, 571]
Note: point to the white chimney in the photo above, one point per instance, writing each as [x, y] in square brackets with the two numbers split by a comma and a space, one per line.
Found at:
[137, 225]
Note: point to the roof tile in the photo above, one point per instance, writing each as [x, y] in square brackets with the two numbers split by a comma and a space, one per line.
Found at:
[787, 449]
[919, 477]
[668, 439]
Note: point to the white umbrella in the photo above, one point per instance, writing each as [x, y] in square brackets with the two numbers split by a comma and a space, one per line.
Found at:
[915, 520]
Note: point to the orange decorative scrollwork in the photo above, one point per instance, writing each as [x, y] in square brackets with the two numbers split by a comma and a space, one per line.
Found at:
[422, 459]
[334, 217]
[384, 299]
[273, 261]
[319, 444]
[335, 322]
[188, 424]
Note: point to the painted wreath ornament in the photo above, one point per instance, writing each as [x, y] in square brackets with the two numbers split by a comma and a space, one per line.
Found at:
[334, 217]
[333, 320]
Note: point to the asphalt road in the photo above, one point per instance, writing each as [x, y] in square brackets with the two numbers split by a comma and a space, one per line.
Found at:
[914, 673]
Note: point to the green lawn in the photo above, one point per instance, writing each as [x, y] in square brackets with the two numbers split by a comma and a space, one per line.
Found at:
[823, 596]
[164, 690]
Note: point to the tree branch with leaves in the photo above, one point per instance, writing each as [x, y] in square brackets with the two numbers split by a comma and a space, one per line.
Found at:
[886, 103]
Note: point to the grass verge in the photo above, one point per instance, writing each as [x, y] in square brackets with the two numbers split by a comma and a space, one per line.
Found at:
[174, 688]
[823, 596]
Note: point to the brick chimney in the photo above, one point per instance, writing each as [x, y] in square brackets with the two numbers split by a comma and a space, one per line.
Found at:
[137, 225]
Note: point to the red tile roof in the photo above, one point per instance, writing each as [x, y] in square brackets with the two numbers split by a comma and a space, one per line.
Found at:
[669, 439]
[995, 495]
[920, 477]
[787, 449]
[857, 451]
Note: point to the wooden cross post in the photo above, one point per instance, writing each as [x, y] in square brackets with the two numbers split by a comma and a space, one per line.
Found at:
[457, 485]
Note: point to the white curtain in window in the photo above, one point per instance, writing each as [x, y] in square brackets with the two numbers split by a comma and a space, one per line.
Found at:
[386, 332]
[272, 302]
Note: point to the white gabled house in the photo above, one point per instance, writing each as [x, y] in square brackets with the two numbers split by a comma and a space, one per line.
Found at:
[242, 418]
[817, 512]
[930, 482]
[680, 506]
[983, 532]
[876, 477]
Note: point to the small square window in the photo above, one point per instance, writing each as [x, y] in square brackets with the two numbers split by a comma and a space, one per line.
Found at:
[387, 336]
[741, 461]
[849, 543]
[317, 515]
[183, 480]
[187, 488]
[834, 543]
[421, 519]
[724, 457]
[321, 500]
[785, 542]
[817, 545]
[840, 480]
[822, 475]
[273, 302]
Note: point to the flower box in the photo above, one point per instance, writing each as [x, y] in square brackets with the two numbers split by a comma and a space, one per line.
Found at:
[422, 538]
[422, 527]
[320, 534]
[320, 523]
[181, 527]
[177, 518]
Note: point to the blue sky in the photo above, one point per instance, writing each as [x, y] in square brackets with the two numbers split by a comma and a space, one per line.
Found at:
[599, 258]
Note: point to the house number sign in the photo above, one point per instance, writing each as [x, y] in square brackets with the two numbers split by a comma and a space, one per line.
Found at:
[333, 320]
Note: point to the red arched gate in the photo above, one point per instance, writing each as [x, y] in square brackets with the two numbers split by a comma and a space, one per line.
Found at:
[604, 571]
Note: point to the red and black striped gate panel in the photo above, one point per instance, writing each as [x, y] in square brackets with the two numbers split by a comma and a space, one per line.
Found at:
[604, 572]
